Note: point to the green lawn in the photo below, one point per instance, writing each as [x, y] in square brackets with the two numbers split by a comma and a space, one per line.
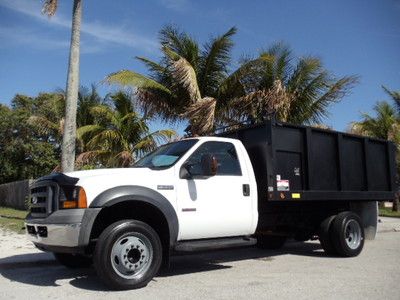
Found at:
[12, 219]
[387, 212]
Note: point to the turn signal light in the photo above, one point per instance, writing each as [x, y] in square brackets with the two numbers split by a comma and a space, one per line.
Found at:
[78, 200]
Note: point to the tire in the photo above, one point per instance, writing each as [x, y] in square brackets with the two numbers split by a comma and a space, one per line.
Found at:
[73, 261]
[347, 234]
[324, 235]
[270, 241]
[127, 255]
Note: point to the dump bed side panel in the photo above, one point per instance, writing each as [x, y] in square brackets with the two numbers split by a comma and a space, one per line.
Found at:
[301, 163]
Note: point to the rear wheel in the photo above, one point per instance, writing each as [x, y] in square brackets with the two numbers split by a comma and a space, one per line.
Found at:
[347, 234]
[270, 241]
[128, 254]
[325, 236]
[73, 261]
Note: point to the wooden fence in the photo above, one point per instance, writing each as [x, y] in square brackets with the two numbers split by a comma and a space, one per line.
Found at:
[15, 194]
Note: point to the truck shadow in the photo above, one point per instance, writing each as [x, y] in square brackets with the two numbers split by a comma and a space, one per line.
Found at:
[41, 269]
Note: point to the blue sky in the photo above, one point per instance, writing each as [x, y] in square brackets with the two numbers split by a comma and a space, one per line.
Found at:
[351, 37]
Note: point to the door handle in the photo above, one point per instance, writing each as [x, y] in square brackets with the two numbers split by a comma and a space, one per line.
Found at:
[246, 190]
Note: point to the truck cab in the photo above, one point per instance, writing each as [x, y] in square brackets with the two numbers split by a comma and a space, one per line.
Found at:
[191, 190]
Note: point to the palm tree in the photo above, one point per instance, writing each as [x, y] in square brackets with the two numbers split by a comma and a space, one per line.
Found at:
[119, 135]
[47, 117]
[187, 80]
[395, 95]
[385, 125]
[195, 84]
[87, 98]
[297, 91]
[69, 134]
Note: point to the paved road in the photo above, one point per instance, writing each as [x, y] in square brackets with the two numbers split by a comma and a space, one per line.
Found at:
[299, 270]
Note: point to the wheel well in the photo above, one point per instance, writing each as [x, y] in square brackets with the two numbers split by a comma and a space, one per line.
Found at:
[132, 209]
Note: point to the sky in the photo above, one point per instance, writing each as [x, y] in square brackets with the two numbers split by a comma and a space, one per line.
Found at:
[351, 37]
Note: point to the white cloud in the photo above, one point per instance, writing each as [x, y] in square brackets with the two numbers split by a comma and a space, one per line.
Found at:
[101, 32]
[178, 5]
[23, 36]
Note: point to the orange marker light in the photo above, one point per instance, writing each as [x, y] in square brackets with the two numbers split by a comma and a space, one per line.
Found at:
[69, 204]
[82, 203]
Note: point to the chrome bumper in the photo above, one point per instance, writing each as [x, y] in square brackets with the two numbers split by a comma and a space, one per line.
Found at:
[64, 235]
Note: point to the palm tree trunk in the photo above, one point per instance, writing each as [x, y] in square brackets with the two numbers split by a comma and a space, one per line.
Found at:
[69, 137]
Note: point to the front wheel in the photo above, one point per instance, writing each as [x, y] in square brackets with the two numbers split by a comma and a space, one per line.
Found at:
[128, 254]
[347, 234]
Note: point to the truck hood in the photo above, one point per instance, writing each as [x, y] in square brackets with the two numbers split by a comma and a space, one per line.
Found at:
[109, 172]
[97, 181]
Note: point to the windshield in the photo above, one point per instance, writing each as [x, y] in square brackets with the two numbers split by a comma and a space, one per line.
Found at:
[166, 155]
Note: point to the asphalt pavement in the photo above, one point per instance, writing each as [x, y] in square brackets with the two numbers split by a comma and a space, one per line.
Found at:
[297, 271]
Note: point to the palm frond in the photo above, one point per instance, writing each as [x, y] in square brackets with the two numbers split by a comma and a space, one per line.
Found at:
[102, 113]
[133, 79]
[201, 116]
[214, 61]
[181, 43]
[258, 104]
[395, 95]
[45, 126]
[336, 91]
[83, 131]
[50, 7]
[151, 65]
[184, 74]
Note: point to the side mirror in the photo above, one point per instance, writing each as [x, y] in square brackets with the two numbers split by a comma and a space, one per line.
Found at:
[184, 172]
[209, 165]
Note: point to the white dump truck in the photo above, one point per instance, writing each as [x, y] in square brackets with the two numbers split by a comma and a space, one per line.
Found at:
[258, 185]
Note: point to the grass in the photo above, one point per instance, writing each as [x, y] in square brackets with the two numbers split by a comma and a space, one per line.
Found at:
[387, 212]
[12, 219]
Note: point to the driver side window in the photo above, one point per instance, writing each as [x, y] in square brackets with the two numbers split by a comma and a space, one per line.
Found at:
[225, 153]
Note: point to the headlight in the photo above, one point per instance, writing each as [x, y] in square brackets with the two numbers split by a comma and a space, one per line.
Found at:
[72, 197]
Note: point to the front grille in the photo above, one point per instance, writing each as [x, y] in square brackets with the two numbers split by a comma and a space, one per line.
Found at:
[42, 200]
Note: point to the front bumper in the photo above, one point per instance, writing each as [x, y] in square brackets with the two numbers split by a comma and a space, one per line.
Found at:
[61, 230]
[65, 235]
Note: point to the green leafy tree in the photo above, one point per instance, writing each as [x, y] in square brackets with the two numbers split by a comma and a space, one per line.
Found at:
[119, 135]
[24, 153]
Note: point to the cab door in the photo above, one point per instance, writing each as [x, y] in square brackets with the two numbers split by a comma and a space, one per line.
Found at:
[214, 206]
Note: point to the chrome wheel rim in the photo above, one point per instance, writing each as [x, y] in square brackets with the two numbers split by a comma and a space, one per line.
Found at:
[131, 255]
[353, 234]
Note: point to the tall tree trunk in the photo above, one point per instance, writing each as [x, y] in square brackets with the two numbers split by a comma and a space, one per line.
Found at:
[396, 202]
[69, 137]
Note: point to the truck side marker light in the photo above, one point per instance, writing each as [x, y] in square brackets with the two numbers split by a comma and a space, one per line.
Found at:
[296, 195]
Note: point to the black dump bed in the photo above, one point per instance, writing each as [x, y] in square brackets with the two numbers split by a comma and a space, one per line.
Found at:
[301, 163]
